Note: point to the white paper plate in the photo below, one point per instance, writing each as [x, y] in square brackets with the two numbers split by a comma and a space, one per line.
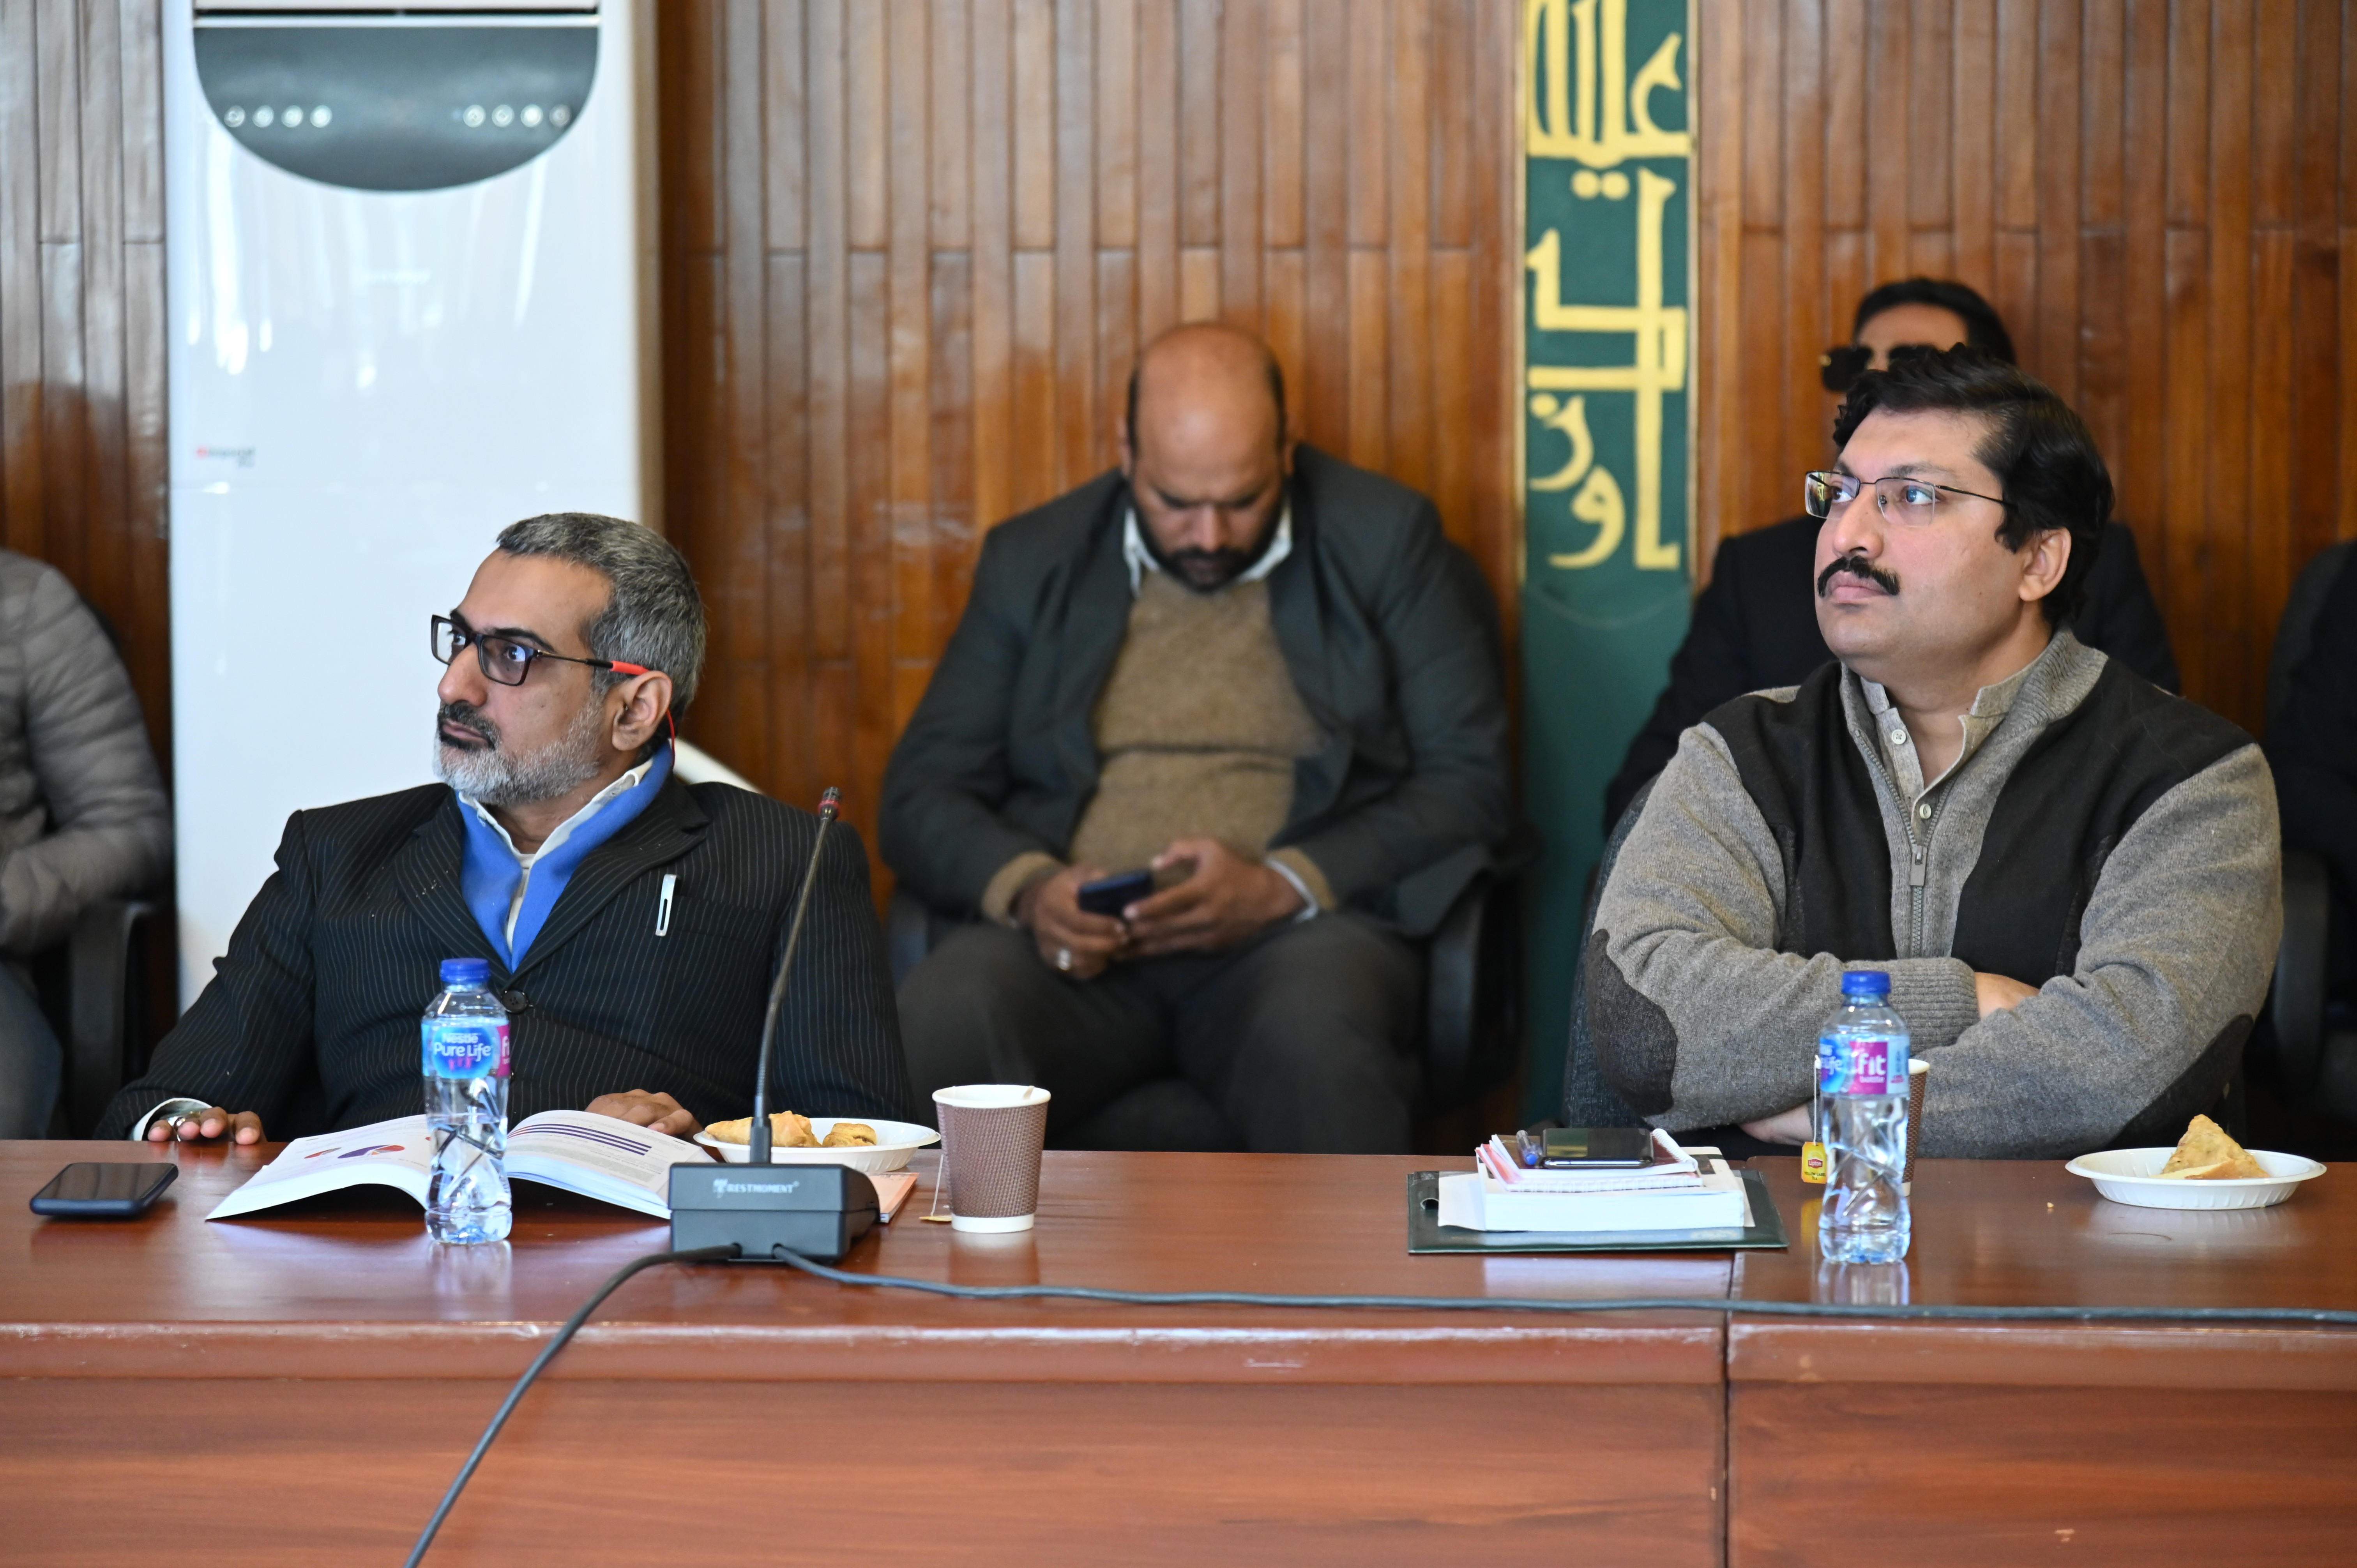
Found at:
[895, 1142]
[2133, 1175]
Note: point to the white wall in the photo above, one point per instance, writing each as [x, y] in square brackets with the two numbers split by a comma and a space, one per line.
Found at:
[366, 386]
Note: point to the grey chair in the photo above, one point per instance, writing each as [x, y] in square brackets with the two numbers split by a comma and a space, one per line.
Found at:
[92, 987]
[1473, 988]
[1587, 1100]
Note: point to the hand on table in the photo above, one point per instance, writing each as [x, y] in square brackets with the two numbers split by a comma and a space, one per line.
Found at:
[1225, 899]
[1794, 1126]
[656, 1113]
[1997, 993]
[1071, 940]
[238, 1126]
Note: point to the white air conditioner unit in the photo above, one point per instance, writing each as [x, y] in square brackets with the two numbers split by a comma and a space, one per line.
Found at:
[411, 303]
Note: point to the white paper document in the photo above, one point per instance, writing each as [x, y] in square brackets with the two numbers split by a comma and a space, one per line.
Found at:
[1473, 1202]
[597, 1157]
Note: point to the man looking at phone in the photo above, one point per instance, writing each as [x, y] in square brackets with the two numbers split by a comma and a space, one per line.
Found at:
[631, 921]
[1262, 677]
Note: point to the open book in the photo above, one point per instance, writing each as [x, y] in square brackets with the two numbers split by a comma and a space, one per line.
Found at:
[596, 1156]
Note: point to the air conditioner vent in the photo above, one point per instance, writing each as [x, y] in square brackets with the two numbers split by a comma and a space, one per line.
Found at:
[398, 107]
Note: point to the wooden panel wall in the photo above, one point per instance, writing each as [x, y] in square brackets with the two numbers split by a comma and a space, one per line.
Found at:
[910, 248]
[2157, 194]
[81, 315]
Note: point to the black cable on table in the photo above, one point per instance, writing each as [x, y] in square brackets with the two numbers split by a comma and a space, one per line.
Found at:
[2329, 1316]
[548, 1352]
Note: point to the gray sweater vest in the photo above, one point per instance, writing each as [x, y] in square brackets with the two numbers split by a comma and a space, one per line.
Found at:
[2068, 802]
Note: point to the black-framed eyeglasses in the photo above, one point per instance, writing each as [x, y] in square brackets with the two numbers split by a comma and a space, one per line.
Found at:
[503, 659]
[1900, 496]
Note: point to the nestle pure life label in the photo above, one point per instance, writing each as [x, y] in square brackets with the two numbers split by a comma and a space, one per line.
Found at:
[1861, 1066]
[466, 1047]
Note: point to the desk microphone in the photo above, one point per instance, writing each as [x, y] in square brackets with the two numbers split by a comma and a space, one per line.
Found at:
[758, 1206]
[829, 803]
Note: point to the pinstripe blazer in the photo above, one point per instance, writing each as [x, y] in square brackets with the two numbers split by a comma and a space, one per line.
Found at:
[312, 1017]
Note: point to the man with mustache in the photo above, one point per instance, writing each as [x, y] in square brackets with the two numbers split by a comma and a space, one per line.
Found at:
[632, 922]
[1260, 673]
[2071, 877]
[1753, 627]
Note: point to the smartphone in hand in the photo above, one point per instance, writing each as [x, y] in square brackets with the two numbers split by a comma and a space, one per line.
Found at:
[1108, 895]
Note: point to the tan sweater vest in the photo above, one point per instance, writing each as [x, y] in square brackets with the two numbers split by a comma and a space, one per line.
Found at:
[1196, 729]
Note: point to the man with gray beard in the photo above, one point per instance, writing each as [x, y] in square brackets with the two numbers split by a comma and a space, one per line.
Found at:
[632, 922]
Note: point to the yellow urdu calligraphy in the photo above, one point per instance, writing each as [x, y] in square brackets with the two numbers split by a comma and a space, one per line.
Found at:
[1592, 109]
[1657, 367]
[1598, 500]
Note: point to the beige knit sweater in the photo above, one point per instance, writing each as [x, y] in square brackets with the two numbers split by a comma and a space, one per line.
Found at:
[1197, 732]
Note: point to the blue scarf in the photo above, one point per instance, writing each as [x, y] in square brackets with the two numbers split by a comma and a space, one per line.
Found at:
[489, 872]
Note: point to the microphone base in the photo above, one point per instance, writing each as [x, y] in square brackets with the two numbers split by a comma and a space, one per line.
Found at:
[820, 1212]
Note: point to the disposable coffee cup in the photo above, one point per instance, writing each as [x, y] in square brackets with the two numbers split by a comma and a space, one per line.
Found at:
[1916, 1069]
[991, 1137]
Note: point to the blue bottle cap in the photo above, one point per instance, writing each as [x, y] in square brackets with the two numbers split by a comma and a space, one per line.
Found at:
[466, 971]
[1856, 982]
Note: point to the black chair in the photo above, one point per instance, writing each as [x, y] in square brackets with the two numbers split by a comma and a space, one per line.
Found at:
[1472, 1035]
[92, 987]
[2313, 1056]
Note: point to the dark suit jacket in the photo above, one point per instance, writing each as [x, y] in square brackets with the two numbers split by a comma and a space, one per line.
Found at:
[1392, 639]
[2312, 749]
[1756, 626]
[312, 1017]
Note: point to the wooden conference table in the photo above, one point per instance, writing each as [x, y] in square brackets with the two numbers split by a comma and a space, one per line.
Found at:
[301, 1388]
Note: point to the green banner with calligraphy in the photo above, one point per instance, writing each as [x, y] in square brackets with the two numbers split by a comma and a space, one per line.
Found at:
[1608, 171]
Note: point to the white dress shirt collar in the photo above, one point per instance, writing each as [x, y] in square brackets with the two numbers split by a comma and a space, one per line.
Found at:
[1141, 560]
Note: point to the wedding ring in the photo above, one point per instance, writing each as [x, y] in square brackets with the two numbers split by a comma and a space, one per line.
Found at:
[1064, 960]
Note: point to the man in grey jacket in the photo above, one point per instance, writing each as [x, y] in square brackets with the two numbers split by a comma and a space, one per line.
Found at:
[2071, 877]
[82, 813]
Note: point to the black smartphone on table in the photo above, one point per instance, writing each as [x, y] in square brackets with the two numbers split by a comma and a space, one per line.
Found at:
[1110, 896]
[104, 1189]
[1595, 1148]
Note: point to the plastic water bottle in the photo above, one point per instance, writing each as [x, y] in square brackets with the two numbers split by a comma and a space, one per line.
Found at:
[466, 1036]
[1862, 1121]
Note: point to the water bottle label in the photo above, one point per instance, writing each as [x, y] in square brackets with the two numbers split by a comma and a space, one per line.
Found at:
[1861, 1066]
[466, 1047]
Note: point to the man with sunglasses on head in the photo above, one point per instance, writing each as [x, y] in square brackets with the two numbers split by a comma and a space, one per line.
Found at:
[2070, 875]
[1754, 627]
[632, 922]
